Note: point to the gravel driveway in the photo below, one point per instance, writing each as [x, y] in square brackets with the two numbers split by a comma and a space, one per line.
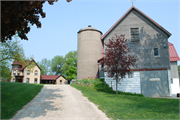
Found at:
[60, 102]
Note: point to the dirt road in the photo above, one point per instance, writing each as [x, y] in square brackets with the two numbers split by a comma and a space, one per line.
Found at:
[60, 102]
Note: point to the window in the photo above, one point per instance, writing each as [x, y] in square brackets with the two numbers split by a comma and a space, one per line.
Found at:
[14, 80]
[14, 73]
[27, 80]
[28, 72]
[36, 72]
[156, 52]
[35, 80]
[18, 72]
[134, 34]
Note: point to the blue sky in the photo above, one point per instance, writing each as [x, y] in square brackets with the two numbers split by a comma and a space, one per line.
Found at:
[58, 34]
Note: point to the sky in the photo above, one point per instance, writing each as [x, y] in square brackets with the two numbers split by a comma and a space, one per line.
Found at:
[58, 34]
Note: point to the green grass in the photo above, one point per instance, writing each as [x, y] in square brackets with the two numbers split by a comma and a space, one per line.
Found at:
[131, 107]
[15, 95]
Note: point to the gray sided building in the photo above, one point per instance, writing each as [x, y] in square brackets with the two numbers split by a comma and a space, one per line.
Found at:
[149, 43]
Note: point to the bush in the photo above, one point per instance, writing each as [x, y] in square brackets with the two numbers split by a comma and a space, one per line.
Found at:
[100, 85]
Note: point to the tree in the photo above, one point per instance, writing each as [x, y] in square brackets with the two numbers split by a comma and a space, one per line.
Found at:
[45, 65]
[71, 54]
[70, 68]
[56, 64]
[5, 71]
[16, 15]
[117, 62]
[70, 65]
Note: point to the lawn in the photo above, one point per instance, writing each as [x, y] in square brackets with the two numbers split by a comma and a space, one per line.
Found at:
[15, 95]
[131, 107]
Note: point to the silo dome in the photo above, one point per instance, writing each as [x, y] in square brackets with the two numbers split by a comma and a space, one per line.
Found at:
[89, 51]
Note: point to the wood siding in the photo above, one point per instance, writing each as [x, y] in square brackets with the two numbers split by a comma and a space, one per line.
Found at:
[150, 37]
[126, 84]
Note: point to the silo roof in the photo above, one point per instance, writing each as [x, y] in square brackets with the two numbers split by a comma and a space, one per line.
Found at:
[90, 29]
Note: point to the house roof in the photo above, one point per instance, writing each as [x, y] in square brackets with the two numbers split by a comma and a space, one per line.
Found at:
[130, 9]
[51, 77]
[172, 53]
[23, 66]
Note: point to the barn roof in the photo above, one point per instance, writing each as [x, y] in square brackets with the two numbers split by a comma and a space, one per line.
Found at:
[51, 77]
[172, 53]
[130, 9]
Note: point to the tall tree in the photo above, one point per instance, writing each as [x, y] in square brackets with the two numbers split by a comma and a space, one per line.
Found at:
[70, 68]
[70, 65]
[16, 15]
[5, 71]
[117, 62]
[45, 65]
[57, 64]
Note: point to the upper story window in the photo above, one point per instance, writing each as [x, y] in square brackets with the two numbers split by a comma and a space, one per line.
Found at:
[18, 72]
[130, 75]
[134, 34]
[36, 72]
[14, 73]
[28, 72]
[156, 52]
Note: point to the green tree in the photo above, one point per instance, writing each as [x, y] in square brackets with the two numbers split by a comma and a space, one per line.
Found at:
[70, 68]
[45, 65]
[16, 15]
[5, 71]
[71, 54]
[57, 65]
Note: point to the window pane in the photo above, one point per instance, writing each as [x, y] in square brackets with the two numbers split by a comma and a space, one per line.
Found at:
[35, 80]
[134, 37]
[156, 52]
[134, 31]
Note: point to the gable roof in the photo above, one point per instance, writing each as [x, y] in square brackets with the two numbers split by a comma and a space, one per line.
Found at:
[172, 53]
[50, 77]
[130, 9]
[27, 61]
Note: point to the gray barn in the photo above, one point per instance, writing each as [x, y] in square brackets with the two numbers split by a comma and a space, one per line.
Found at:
[149, 43]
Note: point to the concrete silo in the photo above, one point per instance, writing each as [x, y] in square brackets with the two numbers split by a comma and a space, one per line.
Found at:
[89, 51]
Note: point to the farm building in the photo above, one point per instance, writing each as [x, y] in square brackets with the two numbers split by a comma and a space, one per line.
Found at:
[148, 42]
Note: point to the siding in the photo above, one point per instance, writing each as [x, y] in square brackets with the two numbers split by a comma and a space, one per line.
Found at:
[126, 84]
[174, 69]
[150, 37]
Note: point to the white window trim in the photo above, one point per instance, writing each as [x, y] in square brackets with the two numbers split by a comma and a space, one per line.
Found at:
[158, 52]
[130, 34]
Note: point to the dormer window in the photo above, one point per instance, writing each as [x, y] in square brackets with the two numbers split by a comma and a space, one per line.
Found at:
[134, 34]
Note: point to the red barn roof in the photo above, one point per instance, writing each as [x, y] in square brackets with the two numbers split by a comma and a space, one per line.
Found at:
[130, 9]
[172, 53]
[49, 77]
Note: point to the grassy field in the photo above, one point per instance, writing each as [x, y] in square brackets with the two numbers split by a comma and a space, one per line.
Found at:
[15, 95]
[131, 107]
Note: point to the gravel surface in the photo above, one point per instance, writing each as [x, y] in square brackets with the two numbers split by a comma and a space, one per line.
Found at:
[60, 102]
